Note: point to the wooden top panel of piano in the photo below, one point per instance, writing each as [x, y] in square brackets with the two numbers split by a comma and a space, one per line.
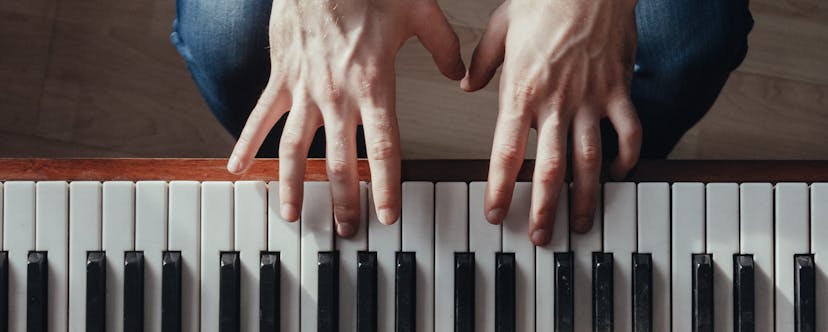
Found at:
[412, 170]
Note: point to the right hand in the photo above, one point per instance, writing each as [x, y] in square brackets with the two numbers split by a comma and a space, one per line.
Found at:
[332, 65]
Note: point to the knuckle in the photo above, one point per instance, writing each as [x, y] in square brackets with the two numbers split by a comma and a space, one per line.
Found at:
[338, 168]
[290, 145]
[523, 93]
[507, 154]
[382, 150]
[550, 170]
[591, 155]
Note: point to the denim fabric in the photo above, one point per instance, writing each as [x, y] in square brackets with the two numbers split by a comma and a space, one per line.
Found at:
[686, 51]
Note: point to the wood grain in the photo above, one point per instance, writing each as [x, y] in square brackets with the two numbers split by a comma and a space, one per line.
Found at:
[112, 85]
[412, 170]
[25, 37]
[109, 85]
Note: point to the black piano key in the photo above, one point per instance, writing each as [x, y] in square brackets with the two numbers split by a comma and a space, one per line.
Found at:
[406, 292]
[4, 291]
[804, 293]
[642, 284]
[702, 293]
[602, 291]
[464, 292]
[744, 305]
[171, 291]
[95, 291]
[367, 291]
[229, 291]
[328, 292]
[37, 292]
[269, 295]
[505, 318]
[134, 291]
[564, 292]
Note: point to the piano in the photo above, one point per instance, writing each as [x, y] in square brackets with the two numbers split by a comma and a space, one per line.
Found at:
[182, 245]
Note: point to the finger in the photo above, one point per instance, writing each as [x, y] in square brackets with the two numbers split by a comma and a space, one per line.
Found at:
[625, 120]
[548, 177]
[439, 38]
[508, 149]
[488, 55]
[297, 135]
[586, 168]
[382, 142]
[340, 144]
[272, 104]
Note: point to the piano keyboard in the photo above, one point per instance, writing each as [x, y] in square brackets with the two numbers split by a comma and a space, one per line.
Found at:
[216, 256]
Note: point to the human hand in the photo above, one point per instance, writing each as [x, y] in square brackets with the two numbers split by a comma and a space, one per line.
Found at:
[566, 65]
[332, 64]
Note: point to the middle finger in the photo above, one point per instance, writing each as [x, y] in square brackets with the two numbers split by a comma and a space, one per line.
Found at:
[340, 132]
[586, 168]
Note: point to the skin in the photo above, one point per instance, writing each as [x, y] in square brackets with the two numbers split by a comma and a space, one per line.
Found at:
[562, 86]
[333, 65]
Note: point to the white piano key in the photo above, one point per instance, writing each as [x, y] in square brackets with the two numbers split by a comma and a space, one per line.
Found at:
[819, 247]
[654, 238]
[418, 236]
[756, 237]
[317, 235]
[283, 237]
[484, 242]
[19, 239]
[183, 235]
[451, 234]
[516, 240]
[792, 231]
[84, 235]
[348, 249]
[151, 238]
[51, 228]
[620, 227]
[118, 229]
[688, 238]
[1, 215]
[385, 240]
[722, 218]
[545, 264]
[250, 241]
[583, 245]
[216, 236]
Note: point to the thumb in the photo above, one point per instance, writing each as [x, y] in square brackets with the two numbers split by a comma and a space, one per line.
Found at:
[488, 55]
[439, 38]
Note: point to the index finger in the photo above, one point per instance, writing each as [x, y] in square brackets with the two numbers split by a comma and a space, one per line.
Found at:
[508, 149]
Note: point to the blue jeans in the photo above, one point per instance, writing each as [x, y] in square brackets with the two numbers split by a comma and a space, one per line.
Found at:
[686, 51]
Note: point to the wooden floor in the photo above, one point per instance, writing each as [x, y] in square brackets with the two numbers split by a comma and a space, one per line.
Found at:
[99, 78]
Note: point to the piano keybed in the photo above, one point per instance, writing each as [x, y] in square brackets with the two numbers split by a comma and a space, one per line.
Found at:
[190, 255]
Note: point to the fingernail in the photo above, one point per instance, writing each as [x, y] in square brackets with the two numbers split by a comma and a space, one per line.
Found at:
[345, 230]
[234, 165]
[582, 224]
[540, 237]
[496, 215]
[289, 212]
[387, 216]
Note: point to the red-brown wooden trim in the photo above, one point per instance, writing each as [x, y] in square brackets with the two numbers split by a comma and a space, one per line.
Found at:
[412, 170]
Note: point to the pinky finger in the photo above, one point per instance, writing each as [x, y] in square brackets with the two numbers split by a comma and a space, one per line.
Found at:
[625, 120]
